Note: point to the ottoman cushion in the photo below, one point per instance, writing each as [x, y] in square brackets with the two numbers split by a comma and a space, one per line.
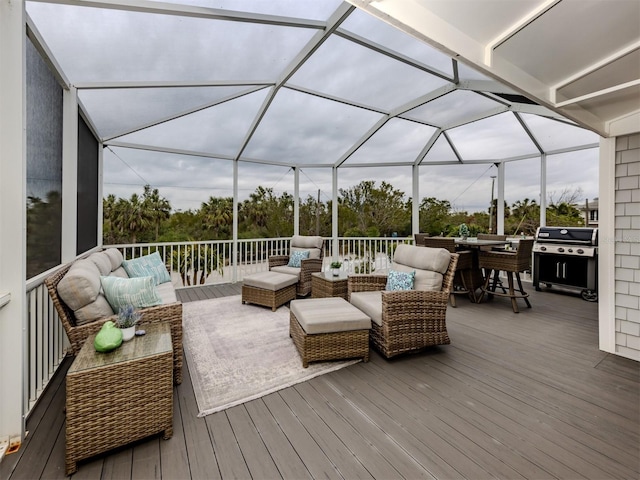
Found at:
[328, 315]
[288, 270]
[273, 281]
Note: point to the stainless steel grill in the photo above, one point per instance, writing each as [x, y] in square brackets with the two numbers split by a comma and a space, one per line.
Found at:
[568, 257]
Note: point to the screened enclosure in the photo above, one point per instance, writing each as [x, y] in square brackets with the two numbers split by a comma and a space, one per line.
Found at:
[179, 92]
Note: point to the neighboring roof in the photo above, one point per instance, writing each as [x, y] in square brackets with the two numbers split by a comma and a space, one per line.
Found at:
[304, 83]
[579, 57]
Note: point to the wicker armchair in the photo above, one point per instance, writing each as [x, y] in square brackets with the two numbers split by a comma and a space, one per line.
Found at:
[77, 334]
[315, 246]
[510, 263]
[411, 320]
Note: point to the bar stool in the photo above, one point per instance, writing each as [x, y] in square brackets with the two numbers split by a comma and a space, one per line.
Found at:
[465, 262]
[419, 239]
[493, 236]
[511, 263]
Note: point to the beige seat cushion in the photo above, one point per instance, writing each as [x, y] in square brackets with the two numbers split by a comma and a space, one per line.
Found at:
[370, 303]
[270, 280]
[167, 293]
[328, 315]
[295, 271]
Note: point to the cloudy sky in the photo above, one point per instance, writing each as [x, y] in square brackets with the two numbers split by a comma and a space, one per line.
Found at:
[108, 46]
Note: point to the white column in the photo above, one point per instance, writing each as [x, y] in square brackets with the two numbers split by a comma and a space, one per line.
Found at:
[500, 209]
[296, 201]
[334, 214]
[607, 245]
[543, 190]
[100, 192]
[234, 248]
[69, 174]
[13, 251]
[415, 204]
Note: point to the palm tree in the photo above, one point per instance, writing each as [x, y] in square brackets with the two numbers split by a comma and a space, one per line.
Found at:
[526, 211]
[132, 217]
[217, 214]
[157, 208]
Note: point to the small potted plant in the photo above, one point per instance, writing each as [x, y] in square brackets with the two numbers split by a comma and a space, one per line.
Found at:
[335, 268]
[128, 317]
[463, 231]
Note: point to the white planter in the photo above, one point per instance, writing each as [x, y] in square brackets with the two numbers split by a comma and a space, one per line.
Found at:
[128, 333]
[335, 272]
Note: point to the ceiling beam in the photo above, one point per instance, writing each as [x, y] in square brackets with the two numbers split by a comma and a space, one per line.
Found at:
[339, 16]
[170, 84]
[184, 113]
[515, 28]
[165, 8]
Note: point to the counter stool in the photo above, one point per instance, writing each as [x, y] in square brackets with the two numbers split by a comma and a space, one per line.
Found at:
[463, 269]
[511, 263]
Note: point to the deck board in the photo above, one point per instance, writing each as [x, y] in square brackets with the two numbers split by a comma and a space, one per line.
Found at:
[525, 395]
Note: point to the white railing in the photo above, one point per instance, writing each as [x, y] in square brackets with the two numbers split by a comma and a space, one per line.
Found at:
[45, 341]
[211, 262]
[190, 264]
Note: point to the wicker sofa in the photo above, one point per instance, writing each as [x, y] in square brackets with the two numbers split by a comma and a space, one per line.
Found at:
[408, 320]
[300, 243]
[81, 321]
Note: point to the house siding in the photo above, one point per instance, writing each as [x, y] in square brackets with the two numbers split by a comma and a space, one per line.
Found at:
[627, 246]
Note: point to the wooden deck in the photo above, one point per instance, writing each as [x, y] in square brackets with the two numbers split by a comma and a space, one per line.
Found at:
[524, 395]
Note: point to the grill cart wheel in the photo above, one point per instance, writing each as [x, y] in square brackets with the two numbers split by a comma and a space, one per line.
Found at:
[589, 295]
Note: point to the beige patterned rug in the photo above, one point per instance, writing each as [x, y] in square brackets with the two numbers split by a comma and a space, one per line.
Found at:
[238, 353]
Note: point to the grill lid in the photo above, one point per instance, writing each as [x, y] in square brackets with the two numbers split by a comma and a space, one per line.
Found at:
[572, 235]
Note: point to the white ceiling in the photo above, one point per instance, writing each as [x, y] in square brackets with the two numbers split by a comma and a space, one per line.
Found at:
[580, 58]
[333, 87]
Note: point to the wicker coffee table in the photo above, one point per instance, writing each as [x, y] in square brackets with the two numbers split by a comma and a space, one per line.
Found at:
[119, 397]
[325, 284]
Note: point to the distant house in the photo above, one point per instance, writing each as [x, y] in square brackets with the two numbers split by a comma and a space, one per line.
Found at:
[590, 211]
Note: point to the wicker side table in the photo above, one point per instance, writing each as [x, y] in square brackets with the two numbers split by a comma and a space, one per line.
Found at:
[324, 284]
[119, 397]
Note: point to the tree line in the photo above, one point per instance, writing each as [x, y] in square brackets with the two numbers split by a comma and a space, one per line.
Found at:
[364, 210]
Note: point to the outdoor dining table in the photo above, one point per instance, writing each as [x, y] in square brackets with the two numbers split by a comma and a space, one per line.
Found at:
[474, 278]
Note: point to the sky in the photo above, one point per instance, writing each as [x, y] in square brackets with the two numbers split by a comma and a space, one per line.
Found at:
[107, 46]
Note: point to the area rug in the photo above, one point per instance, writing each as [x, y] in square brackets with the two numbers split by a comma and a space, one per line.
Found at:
[238, 353]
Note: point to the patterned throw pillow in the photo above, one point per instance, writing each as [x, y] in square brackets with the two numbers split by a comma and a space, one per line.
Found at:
[140, 292]
[296, 257]
[400, 280]
[147, 266]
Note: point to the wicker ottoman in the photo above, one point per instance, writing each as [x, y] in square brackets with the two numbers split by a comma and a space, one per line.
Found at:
[269, 289]
[328, 329]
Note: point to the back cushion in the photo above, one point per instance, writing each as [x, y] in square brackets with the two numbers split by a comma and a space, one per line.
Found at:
[313, 252]
[95, 310]
[102, 262]
[425, 280]
[430, 265]
[115, 256]
[423, 258]
[81, 284]
[311, 243]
